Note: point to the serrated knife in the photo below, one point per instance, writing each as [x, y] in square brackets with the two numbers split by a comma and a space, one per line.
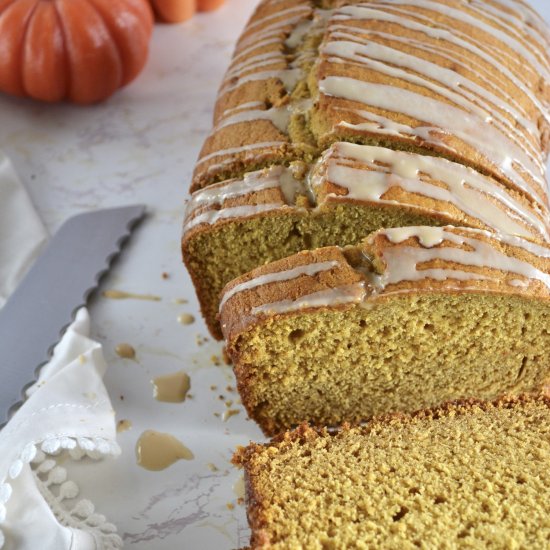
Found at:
[60, 281]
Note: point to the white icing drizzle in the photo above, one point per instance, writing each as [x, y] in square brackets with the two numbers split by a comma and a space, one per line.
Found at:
[442, 33]
[217, 194]
[255, 68]
[241, 149]
[349, 294]
[427, 236]
[460, 15]
[290, 186]
[247, 67]
[298, 34]
[402, 262]
[211, 198]
[267, 40]
[283, 15]
[532, 19]
[456, 88]
[261, 60]
[497, 147]
[407, 263]
[508, 21]
[479, 115]
[289, 78]
[519, 283]
[493, 81]
[278, 116]
[242, 107]
[513, 240]
[386, 126]
[474, 194]
[279, 276]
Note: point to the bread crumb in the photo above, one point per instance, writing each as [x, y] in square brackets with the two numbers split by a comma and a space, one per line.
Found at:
[126, 351]
[186, 319]
[225, 355]
[227, 414]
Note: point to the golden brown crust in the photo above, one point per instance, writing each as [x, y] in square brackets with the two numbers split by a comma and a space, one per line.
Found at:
[441, 192]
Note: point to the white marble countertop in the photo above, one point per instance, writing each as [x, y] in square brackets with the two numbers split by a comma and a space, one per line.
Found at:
[140, 146]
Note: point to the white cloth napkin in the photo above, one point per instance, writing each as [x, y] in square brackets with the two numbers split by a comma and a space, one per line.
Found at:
[21, 231]
[67, 415]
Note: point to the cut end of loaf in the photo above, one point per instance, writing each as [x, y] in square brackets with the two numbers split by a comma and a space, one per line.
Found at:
[464, 475]
[414, 317]
[399, 354]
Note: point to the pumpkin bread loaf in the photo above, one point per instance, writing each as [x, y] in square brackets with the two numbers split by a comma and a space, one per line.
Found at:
[466, 475]
[412, 318]
[337, 118]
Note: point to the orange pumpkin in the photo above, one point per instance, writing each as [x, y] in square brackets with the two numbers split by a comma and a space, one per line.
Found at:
[175, 11]
[75, 50]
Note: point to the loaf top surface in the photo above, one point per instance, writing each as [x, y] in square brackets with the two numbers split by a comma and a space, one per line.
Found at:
[363, 174]
[390, 262]
[464, 80]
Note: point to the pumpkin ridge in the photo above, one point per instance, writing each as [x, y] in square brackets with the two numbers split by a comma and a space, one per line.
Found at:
[69, 78]
[121, 40]
[96, 68]
[24, 59]
[4, 8]
[20, 45]
[113, 40]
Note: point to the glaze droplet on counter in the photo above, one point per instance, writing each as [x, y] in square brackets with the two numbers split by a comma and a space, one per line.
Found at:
[157, 451]
[171, 388]
[126, 351]
[121, 295]
[123, 425]
[186, 319]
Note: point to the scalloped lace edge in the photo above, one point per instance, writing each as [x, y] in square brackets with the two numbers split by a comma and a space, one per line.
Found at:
[49, 476]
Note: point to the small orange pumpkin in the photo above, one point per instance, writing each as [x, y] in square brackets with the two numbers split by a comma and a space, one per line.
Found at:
[175, 11]
[75, 50]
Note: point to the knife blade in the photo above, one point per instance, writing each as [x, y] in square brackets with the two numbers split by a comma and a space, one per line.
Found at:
[59, 283]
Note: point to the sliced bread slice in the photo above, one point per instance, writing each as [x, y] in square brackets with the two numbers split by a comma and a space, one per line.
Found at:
[467, 475]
